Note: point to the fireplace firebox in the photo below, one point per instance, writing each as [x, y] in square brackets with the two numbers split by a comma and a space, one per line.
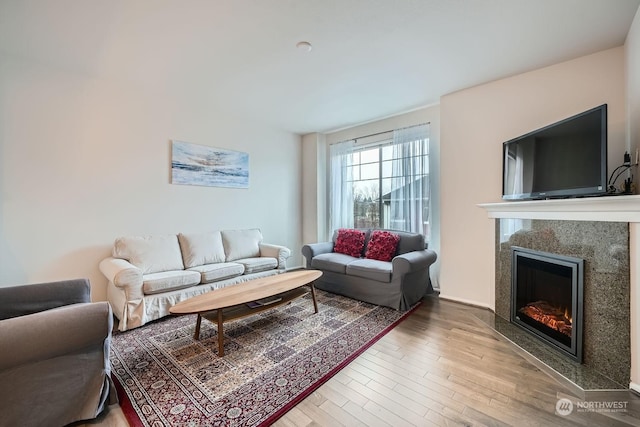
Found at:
[547, 295]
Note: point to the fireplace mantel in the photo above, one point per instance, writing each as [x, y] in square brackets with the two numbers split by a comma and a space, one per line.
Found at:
[607, 208]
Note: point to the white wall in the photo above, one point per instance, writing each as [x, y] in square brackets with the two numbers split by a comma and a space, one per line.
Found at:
[474, 124]
[430, 115]
[83, 161]
[632, 50]
[314, 212]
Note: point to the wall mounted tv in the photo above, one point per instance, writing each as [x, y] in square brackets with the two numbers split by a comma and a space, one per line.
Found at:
[562, 160]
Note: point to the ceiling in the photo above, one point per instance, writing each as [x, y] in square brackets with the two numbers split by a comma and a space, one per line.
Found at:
[370, 59]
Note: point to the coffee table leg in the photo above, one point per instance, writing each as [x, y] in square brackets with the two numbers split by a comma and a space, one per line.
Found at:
[313, 295]
[196, 334]
[220, 335]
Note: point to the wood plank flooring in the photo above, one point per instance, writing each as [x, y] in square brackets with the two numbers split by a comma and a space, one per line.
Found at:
[441, 367]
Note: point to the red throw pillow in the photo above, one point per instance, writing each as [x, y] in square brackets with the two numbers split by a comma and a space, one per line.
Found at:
[349, 242]
[382, 245]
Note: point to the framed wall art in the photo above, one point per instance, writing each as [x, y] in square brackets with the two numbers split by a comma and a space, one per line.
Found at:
[193, 164]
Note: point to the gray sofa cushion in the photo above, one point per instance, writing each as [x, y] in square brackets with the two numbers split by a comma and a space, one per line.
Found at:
[168, 281]
[254, 265]
[220, 271]
[332, 261]
[27, 299]
[409, 242]
[370, 269]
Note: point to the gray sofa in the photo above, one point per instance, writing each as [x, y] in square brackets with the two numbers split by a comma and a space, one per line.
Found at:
[398, 283]
[54, 362]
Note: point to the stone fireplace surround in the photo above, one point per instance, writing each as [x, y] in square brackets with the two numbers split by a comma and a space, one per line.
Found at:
[604, 246]
[597, 230]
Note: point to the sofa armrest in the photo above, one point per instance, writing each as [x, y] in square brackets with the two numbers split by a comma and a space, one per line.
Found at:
[27, 299]
[281, 253]
[412, 261]
[36, 337]
[313, 249]
[122, 273]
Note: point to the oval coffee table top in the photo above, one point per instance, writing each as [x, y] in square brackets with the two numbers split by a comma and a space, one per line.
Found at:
[242, 293]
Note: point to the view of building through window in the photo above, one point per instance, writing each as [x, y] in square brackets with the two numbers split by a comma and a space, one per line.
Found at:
[381, 182]
[378, 182]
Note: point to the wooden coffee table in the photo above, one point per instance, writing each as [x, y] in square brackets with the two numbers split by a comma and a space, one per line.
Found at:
[237, 301]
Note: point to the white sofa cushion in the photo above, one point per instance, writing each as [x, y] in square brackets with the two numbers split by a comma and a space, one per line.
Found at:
[214, 272]
[240, 244]
[201, 248]
[254, 265]
[151, 254]
[156, 283]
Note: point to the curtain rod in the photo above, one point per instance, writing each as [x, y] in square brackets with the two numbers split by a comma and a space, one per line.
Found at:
[380, 133]
[372, 134]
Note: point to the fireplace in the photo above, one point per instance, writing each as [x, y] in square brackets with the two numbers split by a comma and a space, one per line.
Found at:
[603, 242]
[547, 295]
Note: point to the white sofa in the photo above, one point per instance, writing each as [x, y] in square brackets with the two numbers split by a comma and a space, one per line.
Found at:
[149, 274]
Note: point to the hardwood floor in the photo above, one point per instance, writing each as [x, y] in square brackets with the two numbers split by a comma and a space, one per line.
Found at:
[442, 367]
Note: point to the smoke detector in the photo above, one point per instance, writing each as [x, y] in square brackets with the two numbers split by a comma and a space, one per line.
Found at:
[305, 46]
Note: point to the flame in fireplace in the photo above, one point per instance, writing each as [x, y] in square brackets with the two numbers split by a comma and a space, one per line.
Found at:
[554, 317]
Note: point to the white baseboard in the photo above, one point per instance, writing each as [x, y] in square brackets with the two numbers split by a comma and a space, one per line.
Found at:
[635, 387]
[465, 301]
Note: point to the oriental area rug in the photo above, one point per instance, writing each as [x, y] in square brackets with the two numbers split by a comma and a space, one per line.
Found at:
[272, 361]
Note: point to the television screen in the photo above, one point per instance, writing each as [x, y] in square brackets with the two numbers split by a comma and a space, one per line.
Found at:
[565, 159]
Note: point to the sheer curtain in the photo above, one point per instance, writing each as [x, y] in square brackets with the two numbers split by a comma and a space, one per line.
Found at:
[511, 225]
[341, 187]
[518, 179]
[410, 180]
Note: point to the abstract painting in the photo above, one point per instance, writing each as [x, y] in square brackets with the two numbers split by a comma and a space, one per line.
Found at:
[193, 164]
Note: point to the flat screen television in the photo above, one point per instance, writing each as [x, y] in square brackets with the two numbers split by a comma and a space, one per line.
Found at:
[562, 160]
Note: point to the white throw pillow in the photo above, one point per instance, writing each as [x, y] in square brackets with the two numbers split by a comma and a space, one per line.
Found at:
[201, 248]
[151, 254]
[241, 243]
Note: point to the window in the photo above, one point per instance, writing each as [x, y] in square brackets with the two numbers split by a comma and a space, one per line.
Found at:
[382, 185]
